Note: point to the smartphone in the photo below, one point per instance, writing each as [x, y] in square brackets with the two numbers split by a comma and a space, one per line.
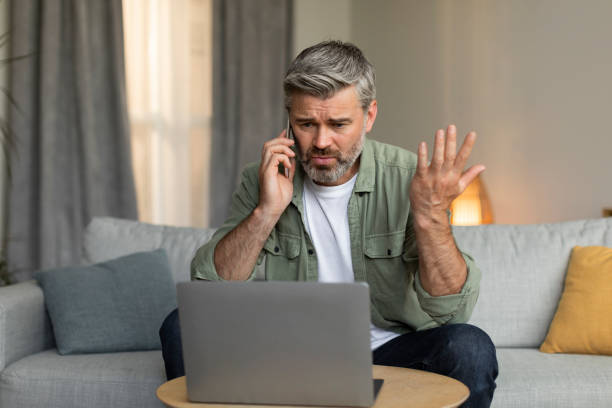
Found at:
[288, 135]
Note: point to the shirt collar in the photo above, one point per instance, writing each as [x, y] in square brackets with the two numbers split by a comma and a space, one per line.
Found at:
[365, 178]
[298, 185]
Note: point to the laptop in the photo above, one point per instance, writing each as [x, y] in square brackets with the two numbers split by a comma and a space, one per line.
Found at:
[285, 343]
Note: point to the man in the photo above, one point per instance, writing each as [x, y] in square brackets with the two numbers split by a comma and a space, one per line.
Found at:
[352, 209]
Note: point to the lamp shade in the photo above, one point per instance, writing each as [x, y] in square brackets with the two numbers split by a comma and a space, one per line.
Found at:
[472, 207]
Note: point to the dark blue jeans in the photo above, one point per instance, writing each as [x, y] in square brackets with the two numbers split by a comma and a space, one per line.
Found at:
[460, 351]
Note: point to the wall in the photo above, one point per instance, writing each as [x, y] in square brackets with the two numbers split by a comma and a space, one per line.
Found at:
[319, 20]
[532, 78]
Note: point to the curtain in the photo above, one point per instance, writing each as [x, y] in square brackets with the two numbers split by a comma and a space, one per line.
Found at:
[251, 53]
[72, 159]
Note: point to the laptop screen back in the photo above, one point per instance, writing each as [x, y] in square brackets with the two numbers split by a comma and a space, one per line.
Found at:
[297, 343]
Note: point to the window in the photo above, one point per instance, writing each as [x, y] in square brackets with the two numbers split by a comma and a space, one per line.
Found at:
[168, 57]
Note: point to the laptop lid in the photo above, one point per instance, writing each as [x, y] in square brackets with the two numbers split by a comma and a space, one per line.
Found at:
[296, 343]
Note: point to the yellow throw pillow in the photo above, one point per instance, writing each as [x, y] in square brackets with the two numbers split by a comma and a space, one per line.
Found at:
[583, 321]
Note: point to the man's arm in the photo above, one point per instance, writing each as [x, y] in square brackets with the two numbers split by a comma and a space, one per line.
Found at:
[236, 254]
[442, 269]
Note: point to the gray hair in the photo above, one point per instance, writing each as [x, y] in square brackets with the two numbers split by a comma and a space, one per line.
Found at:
[327, 67]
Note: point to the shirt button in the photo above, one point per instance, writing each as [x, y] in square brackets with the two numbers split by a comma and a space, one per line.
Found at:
[361, 194]
[310, 252]
[388, 252]
[276, 249]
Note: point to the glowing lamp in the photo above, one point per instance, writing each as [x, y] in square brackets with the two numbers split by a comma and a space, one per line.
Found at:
[472, 207]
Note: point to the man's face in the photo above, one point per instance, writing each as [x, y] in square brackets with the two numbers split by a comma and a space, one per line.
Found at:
[330, 133]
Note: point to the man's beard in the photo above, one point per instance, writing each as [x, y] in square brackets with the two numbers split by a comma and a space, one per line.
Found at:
[330, 174]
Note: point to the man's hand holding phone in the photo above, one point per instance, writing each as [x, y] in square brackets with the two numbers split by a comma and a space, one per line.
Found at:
[276, 188]
[236, 254]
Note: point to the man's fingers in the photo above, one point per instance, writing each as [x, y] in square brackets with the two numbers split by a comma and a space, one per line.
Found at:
[281, 140]
[438, 153]
[292, 169]
[280, 149]
[276, 149]
[271, 165]
[422, 158]
[450, 151]
[469, 176]
[285, 161]
[466, 150]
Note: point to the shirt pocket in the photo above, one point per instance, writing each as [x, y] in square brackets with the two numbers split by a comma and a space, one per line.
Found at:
[389, 245]
[385, 266]
[281, 257]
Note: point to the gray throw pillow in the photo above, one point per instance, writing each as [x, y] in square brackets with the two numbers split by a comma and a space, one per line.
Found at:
[118, 305]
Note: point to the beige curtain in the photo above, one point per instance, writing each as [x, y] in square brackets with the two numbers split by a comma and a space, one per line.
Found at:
[168, 47]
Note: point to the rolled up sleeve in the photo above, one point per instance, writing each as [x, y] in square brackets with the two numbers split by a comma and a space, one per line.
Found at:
[456, 308]
[244, 201]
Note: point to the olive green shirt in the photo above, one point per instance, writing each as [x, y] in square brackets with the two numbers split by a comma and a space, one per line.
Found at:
[383, 246]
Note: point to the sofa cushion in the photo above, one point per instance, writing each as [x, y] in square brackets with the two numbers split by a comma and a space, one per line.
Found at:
[582, 323]
[49, 380]
[528, 378]
[117, 305]
[523, 267]
[107, 238]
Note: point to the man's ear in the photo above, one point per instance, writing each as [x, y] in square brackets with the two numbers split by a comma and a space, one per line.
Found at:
[371, 115]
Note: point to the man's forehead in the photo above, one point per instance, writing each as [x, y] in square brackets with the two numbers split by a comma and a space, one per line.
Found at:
[343, 100]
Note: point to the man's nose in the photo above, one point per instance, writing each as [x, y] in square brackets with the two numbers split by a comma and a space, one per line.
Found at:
[322, 138]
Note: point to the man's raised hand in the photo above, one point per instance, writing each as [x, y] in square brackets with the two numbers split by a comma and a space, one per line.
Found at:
[436, 185]
[276, 189]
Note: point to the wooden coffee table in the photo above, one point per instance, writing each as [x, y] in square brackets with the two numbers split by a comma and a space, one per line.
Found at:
[403, 388]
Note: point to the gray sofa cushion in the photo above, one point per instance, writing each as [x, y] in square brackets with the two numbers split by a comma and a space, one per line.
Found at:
[523, 269]
[117, 305]
[528, 378]
[49, 380]
[107, 238]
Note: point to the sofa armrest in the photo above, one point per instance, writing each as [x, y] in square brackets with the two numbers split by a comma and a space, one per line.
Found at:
[25, 327]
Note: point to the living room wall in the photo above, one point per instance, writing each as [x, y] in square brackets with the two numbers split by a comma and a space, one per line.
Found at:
[318, 20]
[532, 78]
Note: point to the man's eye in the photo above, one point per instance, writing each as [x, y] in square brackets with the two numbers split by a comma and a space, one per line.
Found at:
[306, 125]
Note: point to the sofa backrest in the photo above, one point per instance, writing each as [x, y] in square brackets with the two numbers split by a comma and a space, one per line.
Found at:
[523, 266]
[523, 270]
[107, 238]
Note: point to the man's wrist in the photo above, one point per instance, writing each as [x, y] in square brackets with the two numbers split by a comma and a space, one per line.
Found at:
[264, 217]
[436, 219]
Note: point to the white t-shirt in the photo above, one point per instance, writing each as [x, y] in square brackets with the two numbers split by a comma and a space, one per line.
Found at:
[326, 219]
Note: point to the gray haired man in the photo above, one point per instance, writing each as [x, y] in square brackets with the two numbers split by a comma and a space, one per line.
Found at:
[352, 209]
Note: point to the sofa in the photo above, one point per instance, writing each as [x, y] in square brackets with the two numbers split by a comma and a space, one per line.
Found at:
[523, 269]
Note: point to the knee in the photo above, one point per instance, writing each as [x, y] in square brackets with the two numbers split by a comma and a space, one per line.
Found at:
[472, 360]
[170, 327]
[471, 345]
